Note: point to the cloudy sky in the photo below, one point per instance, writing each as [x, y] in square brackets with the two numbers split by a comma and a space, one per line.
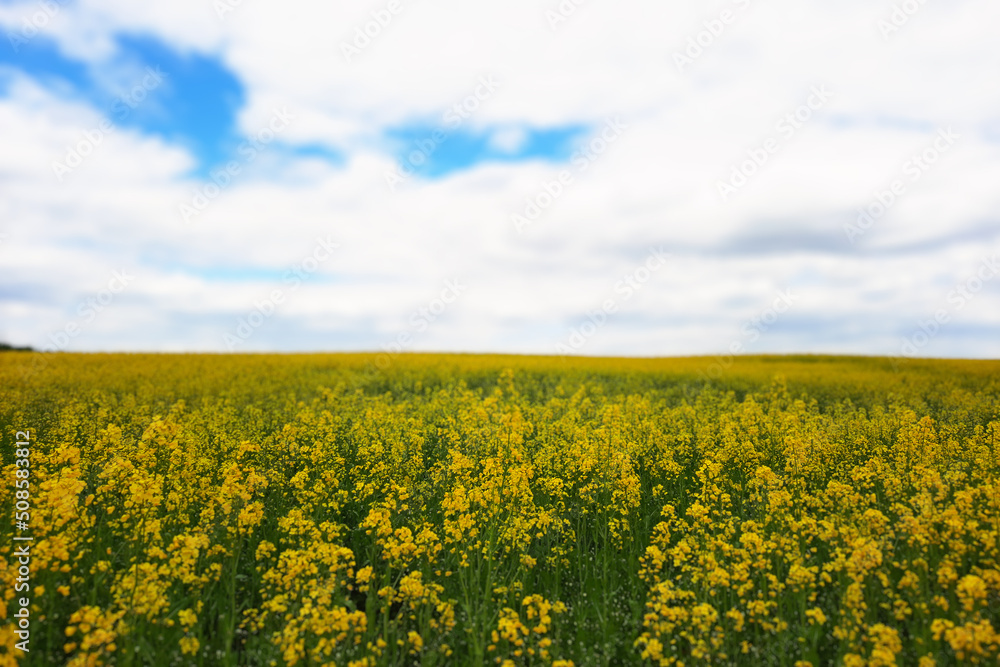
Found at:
[629, 178]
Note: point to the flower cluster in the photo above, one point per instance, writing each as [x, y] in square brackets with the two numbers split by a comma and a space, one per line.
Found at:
[482, 510]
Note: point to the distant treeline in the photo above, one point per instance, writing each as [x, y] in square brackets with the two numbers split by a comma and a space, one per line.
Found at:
[7, 347]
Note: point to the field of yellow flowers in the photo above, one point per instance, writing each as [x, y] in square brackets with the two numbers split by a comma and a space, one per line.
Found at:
[477, 510]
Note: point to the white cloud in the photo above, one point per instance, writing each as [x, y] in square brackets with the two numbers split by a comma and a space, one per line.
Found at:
[509, 139]
[656, 185]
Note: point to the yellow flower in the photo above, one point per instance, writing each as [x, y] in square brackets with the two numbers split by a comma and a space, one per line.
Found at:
[816, 616]
[189, 645]
[187, 617]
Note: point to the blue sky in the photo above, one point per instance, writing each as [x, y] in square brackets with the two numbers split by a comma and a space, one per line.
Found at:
[197, 104]
[462, 149]
[241, 168]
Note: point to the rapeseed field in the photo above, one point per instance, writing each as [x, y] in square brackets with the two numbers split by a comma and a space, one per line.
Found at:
[356, 510]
